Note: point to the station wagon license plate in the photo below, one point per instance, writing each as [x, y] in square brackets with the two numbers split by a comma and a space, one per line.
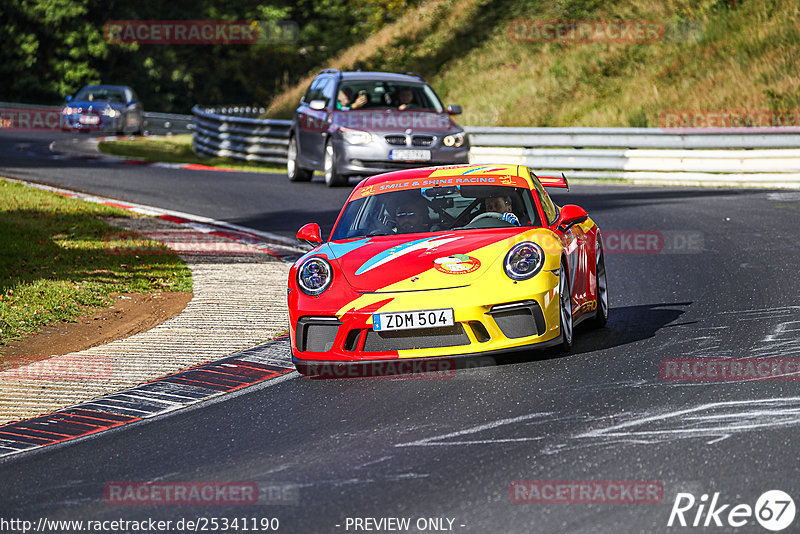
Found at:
[410, 155]
[89, 119]
[412, 319]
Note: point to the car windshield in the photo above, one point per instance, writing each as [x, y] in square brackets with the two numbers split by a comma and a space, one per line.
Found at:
[98, 94]
[389, 95]
[436, 209]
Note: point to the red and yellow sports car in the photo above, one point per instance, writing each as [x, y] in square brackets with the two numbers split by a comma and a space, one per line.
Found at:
[442, 262]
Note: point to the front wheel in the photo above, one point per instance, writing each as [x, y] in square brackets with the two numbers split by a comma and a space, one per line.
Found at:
[295, 172]
[565, 308]
[332, 178]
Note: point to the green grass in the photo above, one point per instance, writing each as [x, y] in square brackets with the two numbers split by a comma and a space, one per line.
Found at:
[715, 55]
[58, 260]
[178, 149]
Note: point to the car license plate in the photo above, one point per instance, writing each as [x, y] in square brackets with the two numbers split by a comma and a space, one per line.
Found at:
[410, 155]
[412, 319]
[89, 119]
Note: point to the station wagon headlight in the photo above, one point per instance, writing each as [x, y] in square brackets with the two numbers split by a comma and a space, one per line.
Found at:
[523, 261]
[69, 110]
[111, 112]
[456, 139]
[356, 137]
[314, 276]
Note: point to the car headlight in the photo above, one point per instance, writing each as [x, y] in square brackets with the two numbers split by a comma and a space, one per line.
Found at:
[70, 110]
[314, 276]
[523, 261]
[111, 112]
[456, 139]
[356, 137]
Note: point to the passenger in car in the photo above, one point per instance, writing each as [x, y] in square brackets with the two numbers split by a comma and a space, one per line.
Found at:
[345, 102]
[405, 98]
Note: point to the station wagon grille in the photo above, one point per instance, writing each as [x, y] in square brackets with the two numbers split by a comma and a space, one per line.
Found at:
[399, 140]
[422, 140]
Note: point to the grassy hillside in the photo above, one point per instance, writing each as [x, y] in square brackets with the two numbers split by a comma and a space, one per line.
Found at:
[714, 55]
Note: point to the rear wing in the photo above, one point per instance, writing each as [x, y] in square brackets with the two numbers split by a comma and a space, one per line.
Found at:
[554, 181]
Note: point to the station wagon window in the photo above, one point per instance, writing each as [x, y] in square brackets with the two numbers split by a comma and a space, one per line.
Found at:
[328, 91]
[316, 90]
[387, 94]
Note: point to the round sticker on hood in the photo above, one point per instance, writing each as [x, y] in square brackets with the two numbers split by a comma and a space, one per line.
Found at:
[456, 264]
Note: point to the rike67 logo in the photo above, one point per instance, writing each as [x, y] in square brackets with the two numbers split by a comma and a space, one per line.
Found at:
[774, 510]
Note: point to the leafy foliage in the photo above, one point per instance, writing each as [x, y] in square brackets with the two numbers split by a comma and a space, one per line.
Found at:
[51, 48]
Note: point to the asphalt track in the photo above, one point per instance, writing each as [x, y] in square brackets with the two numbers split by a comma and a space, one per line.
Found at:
[450, 447]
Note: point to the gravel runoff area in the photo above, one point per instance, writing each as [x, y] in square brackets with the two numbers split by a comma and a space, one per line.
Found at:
[239, 301]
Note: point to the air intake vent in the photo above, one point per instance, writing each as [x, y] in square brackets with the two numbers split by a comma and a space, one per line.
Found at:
[397, 140]
[520, 319]
[316, 334]
[451, 336]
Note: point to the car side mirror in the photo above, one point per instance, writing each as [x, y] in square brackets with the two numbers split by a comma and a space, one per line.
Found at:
[310, 234]
[317, 105]
[571, 215]
[454, 109]
[68, 98]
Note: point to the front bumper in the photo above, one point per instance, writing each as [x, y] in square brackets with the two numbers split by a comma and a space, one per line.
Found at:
[510, 317]
[375, 157]
[73, 123]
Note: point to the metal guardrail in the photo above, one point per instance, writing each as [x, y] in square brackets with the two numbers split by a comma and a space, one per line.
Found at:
[661, 138]
[763, 156]
[236, 133]
[48, 117]
[167, 123]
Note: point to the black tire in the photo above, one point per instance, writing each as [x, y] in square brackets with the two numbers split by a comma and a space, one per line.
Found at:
[566, 325]
[121, 131]
[295, 173]
[601, 317]
[332, 177]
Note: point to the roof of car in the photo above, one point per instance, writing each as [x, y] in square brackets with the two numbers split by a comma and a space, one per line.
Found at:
[382, 76]
[104, 86]
[443, 173]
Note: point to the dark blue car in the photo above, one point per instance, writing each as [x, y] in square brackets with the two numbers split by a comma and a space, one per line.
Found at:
[103, 108]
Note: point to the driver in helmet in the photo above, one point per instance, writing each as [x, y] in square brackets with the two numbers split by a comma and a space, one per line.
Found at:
[503, 206]
[411, 215]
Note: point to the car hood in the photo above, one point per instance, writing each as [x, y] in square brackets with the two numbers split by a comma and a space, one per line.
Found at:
[420, 262]
[85, 104]
[392, 120]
